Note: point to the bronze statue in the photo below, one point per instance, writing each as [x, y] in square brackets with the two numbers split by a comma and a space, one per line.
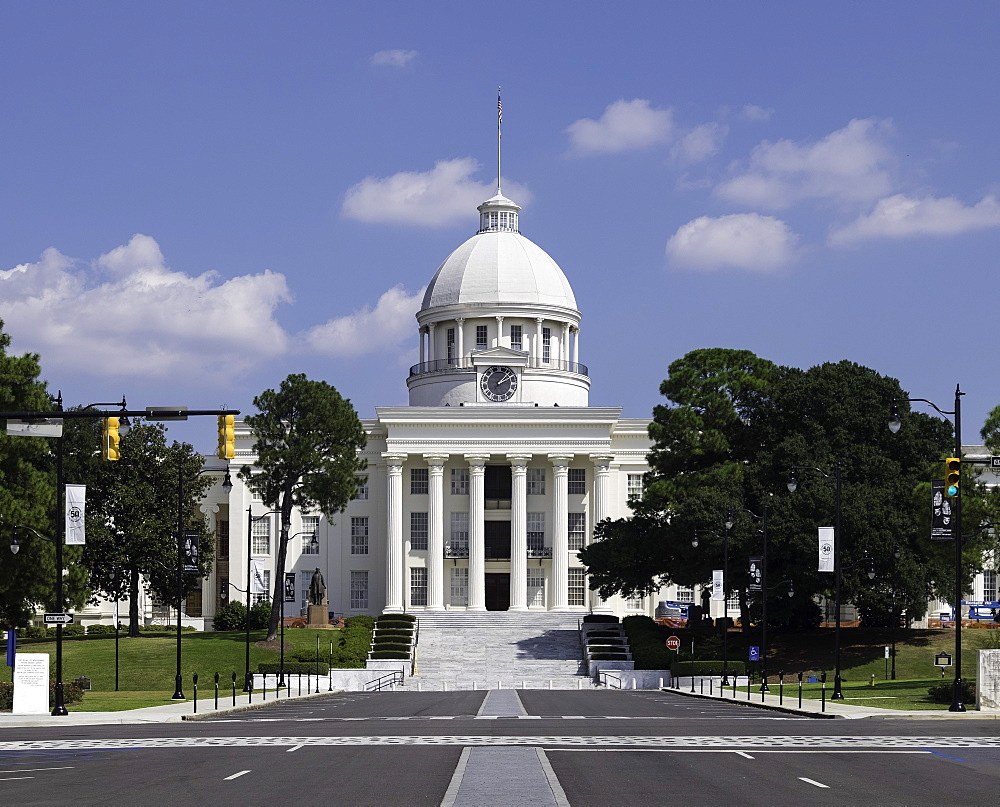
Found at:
[317, 589]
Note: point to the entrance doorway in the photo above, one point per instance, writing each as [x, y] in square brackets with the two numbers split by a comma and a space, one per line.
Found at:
[497, 591]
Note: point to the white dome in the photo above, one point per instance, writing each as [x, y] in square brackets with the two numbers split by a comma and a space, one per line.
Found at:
[499, 266]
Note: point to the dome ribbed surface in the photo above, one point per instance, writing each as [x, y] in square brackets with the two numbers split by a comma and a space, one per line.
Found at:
[499, 268]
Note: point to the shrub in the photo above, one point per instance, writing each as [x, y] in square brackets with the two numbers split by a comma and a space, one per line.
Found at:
[944, 692]
[401, 648]
[647, 643]
[591, 618]
[72, 693]
[609, 657]
[233, 616]
[394, 625]
[398, 634]
[355, 640]
[100, 630]
[410, 618]
[294, 668]
[361, 620]
[74, 630]
[391, 654]
[34, 632]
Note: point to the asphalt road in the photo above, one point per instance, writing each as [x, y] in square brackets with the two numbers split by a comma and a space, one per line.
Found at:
[460, 749]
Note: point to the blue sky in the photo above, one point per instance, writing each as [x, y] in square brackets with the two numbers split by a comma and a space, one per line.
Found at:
[197, 199]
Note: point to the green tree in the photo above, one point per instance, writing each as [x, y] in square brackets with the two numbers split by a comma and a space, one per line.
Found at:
[307, 443]
[133, 508]
[735, 426]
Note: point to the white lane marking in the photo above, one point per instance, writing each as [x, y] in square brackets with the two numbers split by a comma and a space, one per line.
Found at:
[814, 782]
[456, 779]
[744, 754]
[725, 751]
[33, 770]
[550, 775]
[15, 778]
[235, 776]
[294, 748]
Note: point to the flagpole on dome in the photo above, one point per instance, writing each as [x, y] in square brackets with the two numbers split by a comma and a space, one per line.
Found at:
[499, 122]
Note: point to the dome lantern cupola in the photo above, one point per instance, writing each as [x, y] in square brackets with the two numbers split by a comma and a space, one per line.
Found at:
[497, 215]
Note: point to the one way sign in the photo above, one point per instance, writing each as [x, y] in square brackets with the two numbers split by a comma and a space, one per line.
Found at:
[58, 619]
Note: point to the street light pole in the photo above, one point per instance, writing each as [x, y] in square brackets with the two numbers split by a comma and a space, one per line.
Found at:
[251, 519]
[725, 601]
[838, 694]
[957, 698]
[730, 521]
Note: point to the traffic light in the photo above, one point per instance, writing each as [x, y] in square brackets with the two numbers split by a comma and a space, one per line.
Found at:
[227, 437]
[110, 439]
[952, 475]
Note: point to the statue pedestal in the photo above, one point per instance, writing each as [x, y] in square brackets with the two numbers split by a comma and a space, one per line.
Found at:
[319, 617]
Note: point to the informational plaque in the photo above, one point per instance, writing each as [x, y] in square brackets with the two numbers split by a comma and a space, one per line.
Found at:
[31, 684]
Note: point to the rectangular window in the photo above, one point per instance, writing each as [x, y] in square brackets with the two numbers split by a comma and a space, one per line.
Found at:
[577, 481]
[685, 594]
[546, 344]
[577, 586]
[261, 544]
[359, 590]
[222, 540]
[418, 531]
[359, 535]
[451, 343]
[459, 586]
[516, 339]
[418, 587]
[536, 481]
[267, 588]
[362, 494]
[459, 537]
[536, 588]
[305, 579]
[634, 486]
[418, 480]
[990, 586]
[536, 531]
[634, 603]
[733, 602]
[310, 535]
[481, 337]
[460, 481]
[577, 530]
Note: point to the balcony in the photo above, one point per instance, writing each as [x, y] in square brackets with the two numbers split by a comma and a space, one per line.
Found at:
[465, 364]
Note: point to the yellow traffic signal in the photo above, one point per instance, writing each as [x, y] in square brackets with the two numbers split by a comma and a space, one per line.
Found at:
[952, 476]
[227, 437]
[110, 439]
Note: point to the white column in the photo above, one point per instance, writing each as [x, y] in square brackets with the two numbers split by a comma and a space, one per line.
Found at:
[435, 533]
[459, 341]
[602, 510]
[430, 341]
[394, 537]
[564, 347]
[420, 333]
[499, 341]
[538, 341]
[576, 346]
[560, 532]
[519, 532]
[477, 537]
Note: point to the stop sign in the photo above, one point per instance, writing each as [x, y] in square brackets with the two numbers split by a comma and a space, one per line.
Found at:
[673, 643]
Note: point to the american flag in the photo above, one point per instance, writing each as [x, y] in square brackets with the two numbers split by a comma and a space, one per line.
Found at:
[499, 110]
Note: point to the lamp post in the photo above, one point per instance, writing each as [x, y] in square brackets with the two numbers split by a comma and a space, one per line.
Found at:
[895, 422]
[725, 600]
[59, 707]
[838, 694]
[227, 486]
[730, 522]
[251, 520]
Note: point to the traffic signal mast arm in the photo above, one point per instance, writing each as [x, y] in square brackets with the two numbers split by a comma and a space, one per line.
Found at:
[150, 413]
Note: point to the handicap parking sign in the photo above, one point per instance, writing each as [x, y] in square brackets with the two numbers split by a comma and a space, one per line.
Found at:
[754, 654]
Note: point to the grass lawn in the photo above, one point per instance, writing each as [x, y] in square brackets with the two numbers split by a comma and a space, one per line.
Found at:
[147, 664]
[905, 695]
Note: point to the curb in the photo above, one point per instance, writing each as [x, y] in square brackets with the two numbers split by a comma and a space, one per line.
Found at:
[766, 706]
[253, 707]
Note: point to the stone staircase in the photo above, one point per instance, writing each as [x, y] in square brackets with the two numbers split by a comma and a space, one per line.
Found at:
[499, 648]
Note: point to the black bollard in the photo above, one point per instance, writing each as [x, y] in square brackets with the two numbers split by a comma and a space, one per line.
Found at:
[194, 679]
[822, 679]
[234, 689]
[800, 689]
[781, 687]
[216, 690]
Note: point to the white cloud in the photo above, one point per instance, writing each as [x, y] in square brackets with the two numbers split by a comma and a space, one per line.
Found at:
[129, 315]
[393, 58]
[624, 126]
[902, 216]
[700, 143]
[741, 241]
[756, 113]
[370, 330]
[850, 165]
[436, 198]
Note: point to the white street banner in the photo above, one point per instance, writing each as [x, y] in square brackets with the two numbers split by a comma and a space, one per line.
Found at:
[43, 427]
[257, 577]
[76, 506]
[717, 592]
[826, 549]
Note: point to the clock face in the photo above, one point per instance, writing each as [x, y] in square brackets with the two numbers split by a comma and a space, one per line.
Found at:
[498, 383]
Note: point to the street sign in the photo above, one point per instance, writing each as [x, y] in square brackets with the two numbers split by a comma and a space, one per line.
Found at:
[754, 653]
[42, 427]
[942, 660]
[166, 413]
[994, 462]
[673, 643]
[58, 619]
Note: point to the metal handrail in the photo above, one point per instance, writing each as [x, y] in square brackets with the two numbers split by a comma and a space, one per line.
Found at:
[608, 680]
[396, 677]
[465, 363]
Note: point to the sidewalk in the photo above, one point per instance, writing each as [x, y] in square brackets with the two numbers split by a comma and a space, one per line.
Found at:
[169, 713]
[789, 704]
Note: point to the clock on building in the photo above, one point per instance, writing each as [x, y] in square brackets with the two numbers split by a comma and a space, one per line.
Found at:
[498, 383]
